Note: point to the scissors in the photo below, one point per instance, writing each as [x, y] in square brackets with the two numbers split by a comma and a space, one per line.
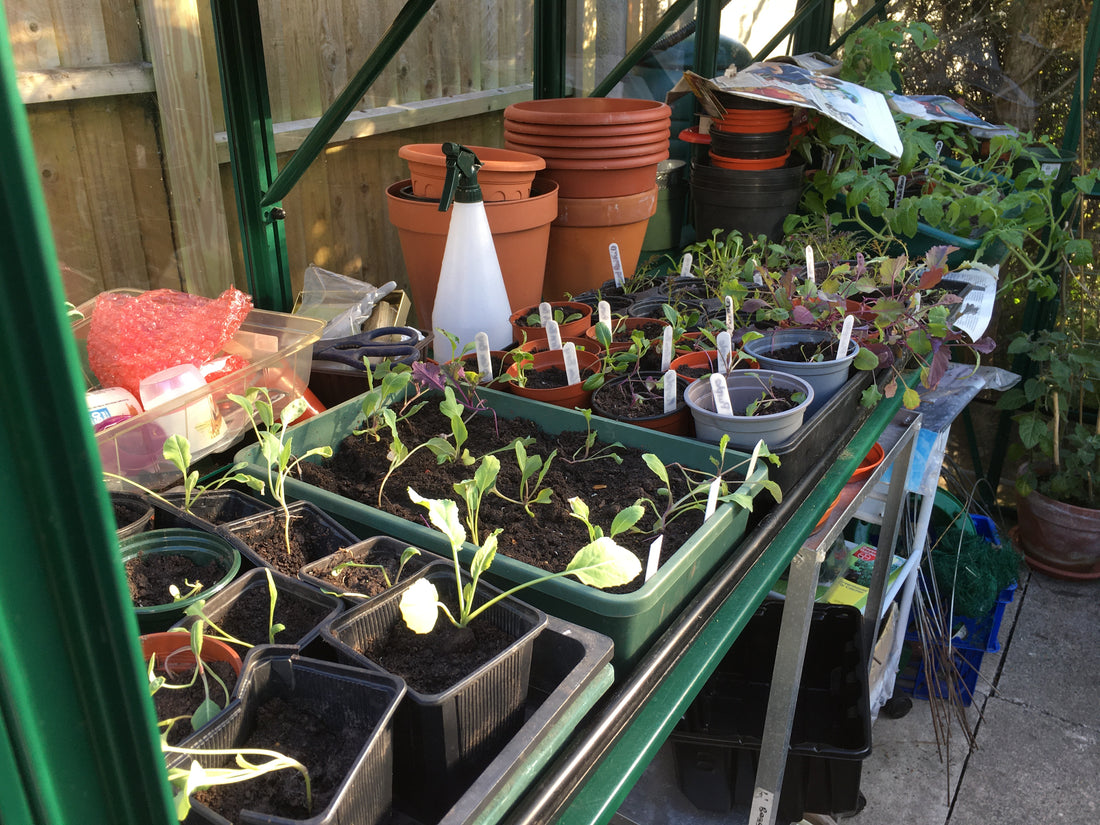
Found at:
[354, 348]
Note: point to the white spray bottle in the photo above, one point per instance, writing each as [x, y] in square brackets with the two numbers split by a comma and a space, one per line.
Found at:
[471, 297]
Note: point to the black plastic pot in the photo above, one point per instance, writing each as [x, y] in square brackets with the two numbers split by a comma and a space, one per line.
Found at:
[443, 741]
[133, 514]
[292, 597]
[221, 506]
[750, 145]
[329, 534]
[754, 202]
[347, 698]
[717, 744]
[365, 552]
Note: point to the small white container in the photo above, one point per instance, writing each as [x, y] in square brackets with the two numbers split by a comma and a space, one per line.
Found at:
[111, 402]
[199, 421]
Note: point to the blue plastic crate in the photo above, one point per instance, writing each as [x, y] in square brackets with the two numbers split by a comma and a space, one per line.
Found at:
[944, 684]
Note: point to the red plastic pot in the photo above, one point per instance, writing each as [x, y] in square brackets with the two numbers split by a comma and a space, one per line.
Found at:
[173, 652]
[621, 324]
[749, 163]
[570, 149]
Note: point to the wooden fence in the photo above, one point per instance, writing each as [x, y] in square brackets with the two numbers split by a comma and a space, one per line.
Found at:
[125, 109]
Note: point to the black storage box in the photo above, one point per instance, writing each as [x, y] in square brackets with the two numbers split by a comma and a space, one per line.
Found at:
[717, 743]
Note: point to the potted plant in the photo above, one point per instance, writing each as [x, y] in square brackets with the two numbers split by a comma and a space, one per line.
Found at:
[810, 354]
[572, 317]
[366, 569]
[467, 680]
[1058, 486]
[639, 398]
[767, 406]
[541, 376]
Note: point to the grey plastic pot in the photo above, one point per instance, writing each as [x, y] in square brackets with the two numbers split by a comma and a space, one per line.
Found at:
[826, 377]
[745, 430]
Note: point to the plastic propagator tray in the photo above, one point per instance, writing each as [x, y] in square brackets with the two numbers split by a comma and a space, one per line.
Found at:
[279, 351]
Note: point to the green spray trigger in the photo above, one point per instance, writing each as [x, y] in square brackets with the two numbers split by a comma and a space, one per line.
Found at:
[461, 182]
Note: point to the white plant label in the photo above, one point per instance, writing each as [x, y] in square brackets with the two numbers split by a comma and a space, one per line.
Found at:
[666, 348]
[756, 279]
[725, 351]
[685, 265]
[572, 373]
[484, 361]
[553, 334]
[616, 264]
[654, 558]
[939, 147]
[712, 498]
[671, 396]
[729, 310]
[761, 812]
[721, 394]
[845, 337]
[899, 193]
[546, 314]
[603, 313]
[811, 272]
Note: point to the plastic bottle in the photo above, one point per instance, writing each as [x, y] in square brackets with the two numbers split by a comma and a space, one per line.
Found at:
[471, 297]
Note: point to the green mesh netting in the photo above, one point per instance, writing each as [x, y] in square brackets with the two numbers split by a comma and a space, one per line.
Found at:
[973, 569]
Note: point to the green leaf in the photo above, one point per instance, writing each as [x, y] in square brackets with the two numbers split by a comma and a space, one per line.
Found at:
[626, 518]
[910, 398]
[657, 466]
[603, 563]
[1033, 429]
[578, 507]
[206, 711]
[177, 450]
[865, 359]
[443, 514]
[484, 556]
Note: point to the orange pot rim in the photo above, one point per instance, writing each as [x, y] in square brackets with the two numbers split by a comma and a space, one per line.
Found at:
[580, 151]
[521, 133]
[749, 163]
[504, 217]
[175, 647]
[607, 163]
[549, 358]
[493, 159]
[611, 211]
[539, 333]
[588, 111]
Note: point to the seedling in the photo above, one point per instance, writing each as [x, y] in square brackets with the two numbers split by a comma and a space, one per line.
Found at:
[769, 402]
[406, 555]
[208, 708]
[473, 490]
[624, 520]
[532, 470]
[600, 563]
[198, 609]
[584, 453]
[533, 319]
[378, 402]
[443, 449]
[275, 446]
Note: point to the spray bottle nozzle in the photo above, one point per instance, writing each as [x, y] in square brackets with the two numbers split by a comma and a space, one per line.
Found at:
[461, 183]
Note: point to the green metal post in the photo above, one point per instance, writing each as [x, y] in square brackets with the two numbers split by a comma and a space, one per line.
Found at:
[77, 731]
[708, 23]
[395, 36]
[550, 19]
[641, 47]
[1089, 50]
[252, 150]
[812, 32]
[805, 11]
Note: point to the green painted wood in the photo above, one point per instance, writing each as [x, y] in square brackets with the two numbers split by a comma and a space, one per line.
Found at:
[79, 743]
[550, 17]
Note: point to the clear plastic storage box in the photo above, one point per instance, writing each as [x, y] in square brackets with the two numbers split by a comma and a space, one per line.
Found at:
[279, 349]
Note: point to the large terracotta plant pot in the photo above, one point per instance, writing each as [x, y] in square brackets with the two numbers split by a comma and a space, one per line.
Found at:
[1061, 540]
[521, 233]
[577, 258]
[505, 175]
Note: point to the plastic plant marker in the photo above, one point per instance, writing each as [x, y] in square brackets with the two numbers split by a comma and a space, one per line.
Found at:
[603, 313]
[725, 351]
[729, 310]
[546, 314]
[685, 265]
[654, 557]
[616, 264]
[666, 348]
[712, 499]
[721, 393]
[553, 334]
[899, 192]
[939, 148]
[845, 337]
[484, 361]
[810, 271]
[670, 391]
[572, 372]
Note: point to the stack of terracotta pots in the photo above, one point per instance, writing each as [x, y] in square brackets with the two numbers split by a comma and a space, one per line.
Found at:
[519, 208]
[603, 154]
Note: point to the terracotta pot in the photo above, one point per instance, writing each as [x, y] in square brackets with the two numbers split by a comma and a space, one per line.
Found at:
[571, 149]
[505, 174]
[694, 360]
[577, 257]
[604, 177]
[1059, 539]
[469, 363]
[536, 134]
[521, 233]
[588, 111]
[571, 396]
[620, 324]
[571, 329]
[173, 651]
[677, 422]
[542, 345]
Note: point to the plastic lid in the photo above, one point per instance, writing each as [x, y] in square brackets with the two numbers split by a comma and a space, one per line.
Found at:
[169, 383]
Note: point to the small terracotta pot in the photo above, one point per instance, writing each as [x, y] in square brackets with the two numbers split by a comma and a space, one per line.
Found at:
[571, 329]
[571, 396]
[677, 422]
[577, 256]
[746, 121]
[173, 652]
[521, 235]
[541, 344]
[504, 175]
[693, 360]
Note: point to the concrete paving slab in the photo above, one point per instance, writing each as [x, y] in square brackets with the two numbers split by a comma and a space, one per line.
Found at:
[1053, 662]
[1029, 767]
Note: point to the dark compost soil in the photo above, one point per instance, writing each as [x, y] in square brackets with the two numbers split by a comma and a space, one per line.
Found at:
[151, 574]
[171, 703]
[550, 537]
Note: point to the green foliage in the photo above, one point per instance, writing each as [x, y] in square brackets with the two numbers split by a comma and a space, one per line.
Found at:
[1059, 433]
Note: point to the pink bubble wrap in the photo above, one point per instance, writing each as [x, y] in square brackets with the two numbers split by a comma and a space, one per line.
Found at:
[131, 337]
